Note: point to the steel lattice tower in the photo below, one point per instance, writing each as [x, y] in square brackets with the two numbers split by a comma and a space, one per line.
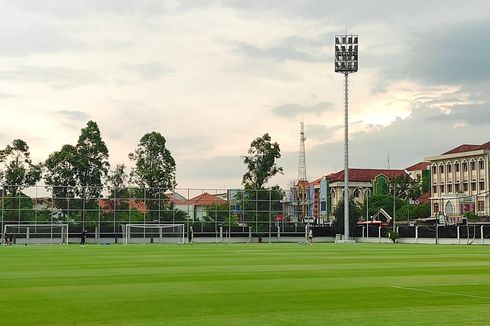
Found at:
[302, 155]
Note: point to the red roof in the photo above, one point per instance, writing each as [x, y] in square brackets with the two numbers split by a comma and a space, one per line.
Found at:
[206, 199]
[365, 174]
[468, 148]
[424, 198]
[315, 182]
[462, 148]
[419, 166]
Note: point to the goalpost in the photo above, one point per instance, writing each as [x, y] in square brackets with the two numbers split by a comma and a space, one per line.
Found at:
[36, 233]
[153, 233]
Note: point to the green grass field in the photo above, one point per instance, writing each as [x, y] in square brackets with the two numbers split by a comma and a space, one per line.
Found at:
[245, 284]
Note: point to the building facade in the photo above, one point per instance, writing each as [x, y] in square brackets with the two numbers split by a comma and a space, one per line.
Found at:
[460, 181]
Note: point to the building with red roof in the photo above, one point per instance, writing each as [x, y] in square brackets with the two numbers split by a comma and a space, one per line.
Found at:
[460, 181]
[326, 192]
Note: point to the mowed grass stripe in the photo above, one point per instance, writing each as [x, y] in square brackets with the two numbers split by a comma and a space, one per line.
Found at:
[242, 284]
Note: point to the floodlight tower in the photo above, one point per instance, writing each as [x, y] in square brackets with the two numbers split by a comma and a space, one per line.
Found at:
[346, 62]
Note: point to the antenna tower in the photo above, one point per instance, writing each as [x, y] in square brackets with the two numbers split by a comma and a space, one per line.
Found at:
[302, 155]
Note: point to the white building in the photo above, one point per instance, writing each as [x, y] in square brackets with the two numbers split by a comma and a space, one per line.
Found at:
[460, 181]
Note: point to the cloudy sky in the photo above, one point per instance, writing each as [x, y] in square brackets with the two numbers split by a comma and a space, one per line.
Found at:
[212, 75]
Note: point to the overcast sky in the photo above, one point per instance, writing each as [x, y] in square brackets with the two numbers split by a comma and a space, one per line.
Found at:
[213, 75]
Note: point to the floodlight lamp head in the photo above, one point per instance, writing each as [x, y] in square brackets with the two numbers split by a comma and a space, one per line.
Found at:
[346, 53]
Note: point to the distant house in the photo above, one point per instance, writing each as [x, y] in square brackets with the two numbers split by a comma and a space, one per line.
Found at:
[196, 206]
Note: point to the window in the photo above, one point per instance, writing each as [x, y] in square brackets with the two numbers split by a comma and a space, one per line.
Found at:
[465, 186]
[436, 208]
[481, 206]
[473, 186]
[482, 185]
[434, 189]
[434, 170]
[448, 168]
[441, 188]
[456, 167]
[473, 165]
[481, 163]
[356, 193]
[465, 166]
[456, 187]
[449, 188]
[441, 169]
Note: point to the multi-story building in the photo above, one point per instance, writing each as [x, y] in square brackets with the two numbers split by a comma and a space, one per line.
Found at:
[460, 181]
[326, 192]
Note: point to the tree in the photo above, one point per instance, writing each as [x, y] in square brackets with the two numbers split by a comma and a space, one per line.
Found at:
[354, 215]
[92, 165]
[116, 180]
[154, 164]
[386, 202]
[18, 170]
[60, 174]
[413, 212]
[261, 162]
[154, 168]
[92, 161]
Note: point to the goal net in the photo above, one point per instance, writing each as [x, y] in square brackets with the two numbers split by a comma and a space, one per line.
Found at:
[153, 233]
[35, 233]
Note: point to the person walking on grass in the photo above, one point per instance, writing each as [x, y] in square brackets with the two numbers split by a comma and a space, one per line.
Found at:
[310, 235]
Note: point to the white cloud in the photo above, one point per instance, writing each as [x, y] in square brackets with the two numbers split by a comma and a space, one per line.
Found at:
[213, 75]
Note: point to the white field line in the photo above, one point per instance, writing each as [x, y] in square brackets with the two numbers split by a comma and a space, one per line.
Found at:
[442, 292]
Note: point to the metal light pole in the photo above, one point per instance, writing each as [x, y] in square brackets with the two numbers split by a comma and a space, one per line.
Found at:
[346, 62]
[367, 192]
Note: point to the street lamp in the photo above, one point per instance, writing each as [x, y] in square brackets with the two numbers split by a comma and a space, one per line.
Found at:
[346, 62]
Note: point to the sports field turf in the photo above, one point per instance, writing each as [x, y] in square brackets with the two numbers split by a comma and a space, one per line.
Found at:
[245, 284]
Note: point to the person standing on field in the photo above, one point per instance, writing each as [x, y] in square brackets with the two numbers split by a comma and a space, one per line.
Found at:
[190, 235]
[83, 236]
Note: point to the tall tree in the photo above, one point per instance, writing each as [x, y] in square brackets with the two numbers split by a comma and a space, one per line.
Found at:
[92, 161]
[261, 162]
[91, 168]
[116, 180]
[18, 171]
[154, 171]
[154, 165]
[60, 175]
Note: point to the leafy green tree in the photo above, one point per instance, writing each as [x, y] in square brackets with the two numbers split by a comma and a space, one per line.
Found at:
[92, 161]
[154, 164]
[154, 169]
[412, 212]
[354, 216]
[259, 205]
[18, 172]
[59, 175]
[79, 171]
[117, 180]
[261, 162]
[384, 201]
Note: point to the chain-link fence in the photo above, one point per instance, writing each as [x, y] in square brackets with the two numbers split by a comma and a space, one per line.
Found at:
[103, 212]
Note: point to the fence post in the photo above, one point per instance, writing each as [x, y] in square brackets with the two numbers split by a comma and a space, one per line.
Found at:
[458, 234]
[220, 233]
[416, 233]
[481, 234]
[278, 232]
[250, 233]
[379, 233]
[363, 228]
